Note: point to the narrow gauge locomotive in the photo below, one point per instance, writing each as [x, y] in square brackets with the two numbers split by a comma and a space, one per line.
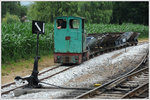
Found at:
[72, 46]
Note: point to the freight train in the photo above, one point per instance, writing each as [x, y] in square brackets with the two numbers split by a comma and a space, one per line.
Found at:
[73, 46]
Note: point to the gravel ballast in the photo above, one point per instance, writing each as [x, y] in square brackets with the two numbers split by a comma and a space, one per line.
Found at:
[96, 70]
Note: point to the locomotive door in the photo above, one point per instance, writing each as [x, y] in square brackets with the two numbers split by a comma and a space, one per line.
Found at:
[74, 36]
[60, 31]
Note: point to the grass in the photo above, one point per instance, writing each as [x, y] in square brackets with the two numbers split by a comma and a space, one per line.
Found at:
[144, 39]
[7, 68]
[19, 44]
[23, 64]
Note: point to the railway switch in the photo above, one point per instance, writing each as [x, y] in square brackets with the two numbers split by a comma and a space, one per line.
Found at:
[33, 81]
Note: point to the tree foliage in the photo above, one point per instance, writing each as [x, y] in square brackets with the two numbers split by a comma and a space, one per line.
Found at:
[130, 12]
[9, 19]
[14, 8]
[94, 11]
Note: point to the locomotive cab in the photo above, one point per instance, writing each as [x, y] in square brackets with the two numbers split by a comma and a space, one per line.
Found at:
[69, 40]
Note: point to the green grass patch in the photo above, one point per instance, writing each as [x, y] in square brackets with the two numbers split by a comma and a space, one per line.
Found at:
[19, 43]
[22, 64]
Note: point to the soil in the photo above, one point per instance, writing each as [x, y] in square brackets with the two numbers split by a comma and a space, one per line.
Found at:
[25, 71]
[143, 40]
[90, 72]
[47, 62]
[116, 55]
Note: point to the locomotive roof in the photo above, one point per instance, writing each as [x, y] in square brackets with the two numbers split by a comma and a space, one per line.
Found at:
[69, 16]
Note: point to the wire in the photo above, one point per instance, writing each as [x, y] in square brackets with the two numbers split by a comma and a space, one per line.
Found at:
[65, 87]
[52, 85]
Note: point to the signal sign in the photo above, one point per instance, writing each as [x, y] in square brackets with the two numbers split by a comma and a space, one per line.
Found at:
[38, 27]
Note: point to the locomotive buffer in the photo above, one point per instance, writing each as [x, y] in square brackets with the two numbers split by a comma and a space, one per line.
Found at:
[33, 81]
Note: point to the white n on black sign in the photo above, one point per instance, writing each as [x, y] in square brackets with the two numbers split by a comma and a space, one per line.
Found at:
[38, 27]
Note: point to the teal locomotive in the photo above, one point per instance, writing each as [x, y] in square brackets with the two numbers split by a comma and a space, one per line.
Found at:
[69, 40]
[71, 45]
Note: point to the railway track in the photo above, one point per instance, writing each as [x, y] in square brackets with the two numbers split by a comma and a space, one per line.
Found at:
[7, 88]
[12, 83]
[125, 86]
[52, 72]
[129, 86]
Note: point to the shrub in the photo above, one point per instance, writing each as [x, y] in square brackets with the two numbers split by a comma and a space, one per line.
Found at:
[10, 19]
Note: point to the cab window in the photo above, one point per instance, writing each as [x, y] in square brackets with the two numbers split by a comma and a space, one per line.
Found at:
[61, 24]
[74, 24]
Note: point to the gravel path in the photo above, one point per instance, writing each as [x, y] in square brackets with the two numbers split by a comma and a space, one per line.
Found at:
[95, 70]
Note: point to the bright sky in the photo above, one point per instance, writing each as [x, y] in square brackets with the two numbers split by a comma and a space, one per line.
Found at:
[26, 3]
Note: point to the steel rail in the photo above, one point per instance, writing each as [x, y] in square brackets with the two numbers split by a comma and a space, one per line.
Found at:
[103, 87]
[137, 91]
[5, 92]
[11, 83]
[6, 85]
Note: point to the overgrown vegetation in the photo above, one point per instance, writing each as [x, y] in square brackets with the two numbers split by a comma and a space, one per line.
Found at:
[94, 12]
[10, 19]
[105, 12]
[18, 42]
[14, 8]
[126, 27]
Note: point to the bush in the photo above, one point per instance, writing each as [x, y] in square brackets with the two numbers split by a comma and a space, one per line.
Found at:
[10, 19]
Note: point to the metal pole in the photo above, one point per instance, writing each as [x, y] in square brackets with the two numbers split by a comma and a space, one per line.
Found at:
[35, 68]
[33, 78]
[37, 48]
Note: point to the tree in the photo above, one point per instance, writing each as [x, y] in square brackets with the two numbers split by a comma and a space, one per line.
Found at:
[14, 8]
[130, 12]
[94, 12]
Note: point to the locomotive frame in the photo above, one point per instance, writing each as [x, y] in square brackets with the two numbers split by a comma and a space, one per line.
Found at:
[73, 46]
[70, 40]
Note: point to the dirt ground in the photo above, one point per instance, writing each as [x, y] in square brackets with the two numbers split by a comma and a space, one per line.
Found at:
[144, 40]
[46, 62]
